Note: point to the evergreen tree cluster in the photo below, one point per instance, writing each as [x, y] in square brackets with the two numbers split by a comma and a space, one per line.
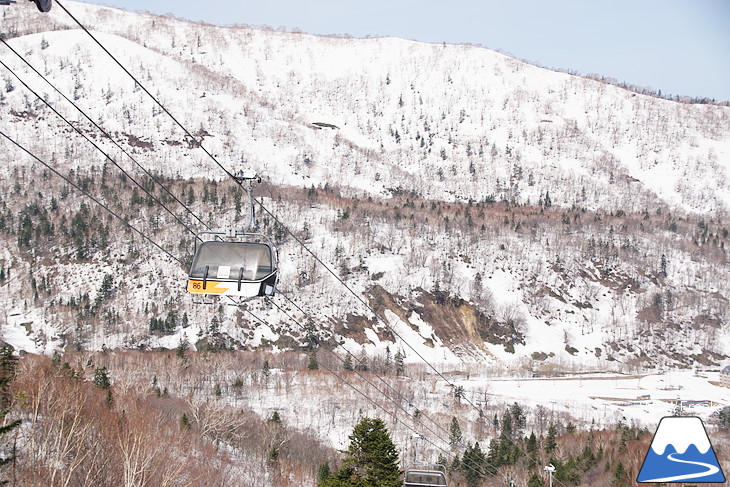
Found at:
[575, 456]
[34, 226]
[505, 449]
[168, 325]
[371, 459]
[8, 362]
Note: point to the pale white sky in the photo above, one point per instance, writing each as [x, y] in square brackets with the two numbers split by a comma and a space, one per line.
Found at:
[676, 46]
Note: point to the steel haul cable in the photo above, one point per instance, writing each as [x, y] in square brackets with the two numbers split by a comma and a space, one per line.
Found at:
[88, 195]
[288, 231]
[190, 211]
[106, 134]
[379, 406]
[107, 156]
[187, 132]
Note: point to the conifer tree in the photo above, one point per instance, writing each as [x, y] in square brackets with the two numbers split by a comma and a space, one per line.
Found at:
[621, 476]
[184, 422]
[323, 473]
[371, 461]
[182, 347]
[473, 464]
[266, 369]
[535, 481]
[399, 367]
[7, 370]
[101, 378]
[313, 364]
[454, 433]
[347, 364]
[456, 463]
[550, 443]
[518, 419]
[724, 418]
[441, 462]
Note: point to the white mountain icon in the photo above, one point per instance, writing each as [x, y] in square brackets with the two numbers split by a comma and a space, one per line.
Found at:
[680, 452]
[681, 432]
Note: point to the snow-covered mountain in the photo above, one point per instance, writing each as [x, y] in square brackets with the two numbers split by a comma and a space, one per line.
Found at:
[680, 433]
[482, 206]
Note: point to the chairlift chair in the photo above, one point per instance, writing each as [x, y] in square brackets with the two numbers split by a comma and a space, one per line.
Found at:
[235, 263]
[417, 476]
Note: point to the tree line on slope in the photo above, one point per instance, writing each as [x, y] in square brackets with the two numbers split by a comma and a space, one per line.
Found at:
[646, 251]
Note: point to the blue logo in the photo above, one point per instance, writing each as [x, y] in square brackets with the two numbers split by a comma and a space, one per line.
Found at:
[681, 452]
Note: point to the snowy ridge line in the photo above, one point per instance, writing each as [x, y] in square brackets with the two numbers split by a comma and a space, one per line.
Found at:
[537, 332]
[78, 131]
[475, 61]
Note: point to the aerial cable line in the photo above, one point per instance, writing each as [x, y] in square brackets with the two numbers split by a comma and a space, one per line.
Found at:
[397, 403]
[358, 297]
[103, 132]
[78, 131]
[394, 401]
[393, 414]
[187, 132]
[400, 396]
[231, 175]
[88, 195]
[364, 303]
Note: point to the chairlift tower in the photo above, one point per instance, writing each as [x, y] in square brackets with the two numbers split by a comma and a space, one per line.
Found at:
[248, 177]
[550, 469]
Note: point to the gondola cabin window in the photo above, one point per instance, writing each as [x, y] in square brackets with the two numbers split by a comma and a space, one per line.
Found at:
[242, 269]
[424, 478]
[232, 261]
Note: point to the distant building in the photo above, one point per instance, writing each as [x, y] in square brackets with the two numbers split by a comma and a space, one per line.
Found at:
[725, 377]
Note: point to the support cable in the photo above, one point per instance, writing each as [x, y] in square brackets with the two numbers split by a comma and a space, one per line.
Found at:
[107, 156]
[232, 176]
[357, 372]
[106, 134]
[187, 132]
[395, 418]
[412, 416]
[88, 195]
[400, 396]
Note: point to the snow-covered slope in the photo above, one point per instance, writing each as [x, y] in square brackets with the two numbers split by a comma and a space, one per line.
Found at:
[446, 121]
[486, 208]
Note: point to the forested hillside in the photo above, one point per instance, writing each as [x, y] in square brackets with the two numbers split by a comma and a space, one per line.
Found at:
[101, 418]
[446, 217]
